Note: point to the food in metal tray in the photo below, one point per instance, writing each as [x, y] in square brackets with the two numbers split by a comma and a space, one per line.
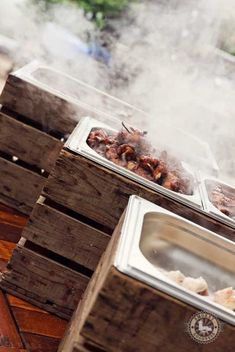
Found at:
[225, 297]
[221, 197]
[129, 148]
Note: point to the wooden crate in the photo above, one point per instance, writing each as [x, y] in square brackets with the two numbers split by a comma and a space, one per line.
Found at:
[47, 281]
[34, 122]
[27, 155]
[55, 259]
[101, 195]
[80, 206]
[119, 313]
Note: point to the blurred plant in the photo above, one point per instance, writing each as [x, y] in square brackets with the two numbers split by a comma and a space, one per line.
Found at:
[97, 10]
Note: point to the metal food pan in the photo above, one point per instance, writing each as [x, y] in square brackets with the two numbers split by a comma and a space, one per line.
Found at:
[78, 143]
[206, 185]
[154, 241]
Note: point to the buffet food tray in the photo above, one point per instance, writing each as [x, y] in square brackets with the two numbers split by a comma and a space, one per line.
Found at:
[154, 239]
[206, 186]
[77, 143]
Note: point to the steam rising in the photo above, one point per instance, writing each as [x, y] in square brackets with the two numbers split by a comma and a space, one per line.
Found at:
[166, 61]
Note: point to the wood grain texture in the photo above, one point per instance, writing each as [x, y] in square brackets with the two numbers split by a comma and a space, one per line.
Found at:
[12, 349]
[73, 341]
[19, 187]
[6, 250]
[11, 224]
[50, 111]
[65, 235]
[27, 143]
[19, 303]
[102, 195]
[9, 336]
[40, 323]
[43, 282]
[39, 343]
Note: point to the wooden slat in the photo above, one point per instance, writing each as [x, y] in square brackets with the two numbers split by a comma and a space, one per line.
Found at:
[65, 235]
[11, 224]
[39, 343]
[51, 112]
[43, 282]
[102, 195]
[6, 249]
[19, 187]
[19, 303]
[35, 322]
[27, 143]
[9, 336]
[12, 349]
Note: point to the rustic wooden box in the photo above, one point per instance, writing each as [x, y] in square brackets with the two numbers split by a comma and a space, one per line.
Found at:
[120, 313]
[80, 206]
[35, 120]
[102, 195]
[52, 264]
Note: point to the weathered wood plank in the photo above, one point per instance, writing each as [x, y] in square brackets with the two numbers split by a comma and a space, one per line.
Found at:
[11, 349]
[19, 303]
[39, 343]
[11, 224]
[50, 111]
[41, 323]
[43, 282]
[65, 235]
[19, 187]
[102, 195]
[6, 249]
[27, 143]
[9, 336]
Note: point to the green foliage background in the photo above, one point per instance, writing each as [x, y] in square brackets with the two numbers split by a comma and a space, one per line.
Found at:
[98, 9]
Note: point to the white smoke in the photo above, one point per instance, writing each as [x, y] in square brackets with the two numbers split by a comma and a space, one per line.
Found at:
[165, 61]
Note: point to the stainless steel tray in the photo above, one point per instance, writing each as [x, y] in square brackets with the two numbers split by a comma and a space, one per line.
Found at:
[77, 143]
[153, 239]
[208, 205]
[78, 92]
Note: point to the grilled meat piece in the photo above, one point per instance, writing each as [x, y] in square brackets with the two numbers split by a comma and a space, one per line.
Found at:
[160, 172]
[126, 152]
[225, 204]
[129, 149]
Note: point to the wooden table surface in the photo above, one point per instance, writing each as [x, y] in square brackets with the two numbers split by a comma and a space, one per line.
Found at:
[23, 327]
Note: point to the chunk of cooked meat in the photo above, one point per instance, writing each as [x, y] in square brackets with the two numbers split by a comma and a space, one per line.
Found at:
[129, 149]
[126, 152]
[198, 285]
[225, 204]
[176, 276]
[171, 181]
[226, 298]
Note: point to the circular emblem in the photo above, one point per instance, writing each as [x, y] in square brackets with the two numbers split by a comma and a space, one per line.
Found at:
[204, 327]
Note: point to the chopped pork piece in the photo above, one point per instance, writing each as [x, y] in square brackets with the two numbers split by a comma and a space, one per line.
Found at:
[129, 148]
[176, 276]
[226, 204]
[198, 285]
[226, 298]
